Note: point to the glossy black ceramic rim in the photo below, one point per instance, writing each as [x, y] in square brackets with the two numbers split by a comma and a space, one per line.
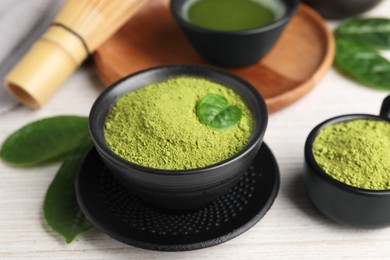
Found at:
[334, 10]
[320, 172]
[258, 132]
[280, 22]
[89, 196]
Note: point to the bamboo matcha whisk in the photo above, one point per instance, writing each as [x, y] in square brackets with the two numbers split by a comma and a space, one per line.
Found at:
[80, 27]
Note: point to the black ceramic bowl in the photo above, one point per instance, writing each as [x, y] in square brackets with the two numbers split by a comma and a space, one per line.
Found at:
[179, 189]
[338, 9]
[341, 202]
[232, 49]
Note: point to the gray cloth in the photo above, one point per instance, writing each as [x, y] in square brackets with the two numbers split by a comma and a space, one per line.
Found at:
[21, 23]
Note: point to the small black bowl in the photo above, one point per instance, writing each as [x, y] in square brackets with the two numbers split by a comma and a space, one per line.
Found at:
[237, 48]
[341, 202]
[338, 9]
[179, 189]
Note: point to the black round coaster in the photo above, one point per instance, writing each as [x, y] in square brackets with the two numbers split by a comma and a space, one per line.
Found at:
[123, 216]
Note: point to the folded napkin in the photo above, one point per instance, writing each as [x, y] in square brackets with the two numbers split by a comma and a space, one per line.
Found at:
[21, 23]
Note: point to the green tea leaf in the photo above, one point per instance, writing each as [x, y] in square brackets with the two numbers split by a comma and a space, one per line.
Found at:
[44, 140]
[214, 110]
[373, 31]
[362, 63]
[61, 210]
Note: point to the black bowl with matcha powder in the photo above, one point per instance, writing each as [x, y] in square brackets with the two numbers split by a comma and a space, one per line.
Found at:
[348, 168]
[179, 136]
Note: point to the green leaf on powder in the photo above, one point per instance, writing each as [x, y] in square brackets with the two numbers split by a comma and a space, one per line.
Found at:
[372, 31]
[362, 63]
[61, 210]
[44, 140]
[214, 111]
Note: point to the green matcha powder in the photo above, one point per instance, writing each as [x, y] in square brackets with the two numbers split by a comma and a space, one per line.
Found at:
[156, 126]
[356, 152]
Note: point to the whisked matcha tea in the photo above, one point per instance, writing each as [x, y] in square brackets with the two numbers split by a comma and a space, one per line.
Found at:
[233, 15]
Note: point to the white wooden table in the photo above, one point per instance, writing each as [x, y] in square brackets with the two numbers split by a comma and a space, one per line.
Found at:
[292, 228]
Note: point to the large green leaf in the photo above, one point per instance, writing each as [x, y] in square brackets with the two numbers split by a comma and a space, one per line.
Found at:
[61, 210]
[44, 140]
[373, 31]
[362, 63]
[214, 110]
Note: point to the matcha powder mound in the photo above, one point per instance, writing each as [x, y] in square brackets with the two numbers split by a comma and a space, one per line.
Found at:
[156, 126]
[356, 152]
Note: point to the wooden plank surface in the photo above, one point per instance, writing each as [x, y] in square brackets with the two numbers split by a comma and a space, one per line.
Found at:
[292, 229]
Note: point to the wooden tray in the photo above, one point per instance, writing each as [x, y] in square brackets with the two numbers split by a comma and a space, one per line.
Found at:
[292, 68]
